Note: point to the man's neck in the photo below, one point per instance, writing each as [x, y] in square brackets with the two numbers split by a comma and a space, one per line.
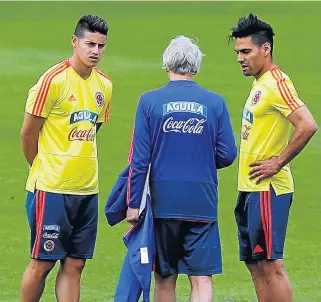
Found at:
[179, 77]
[83, 70]
[265, 68]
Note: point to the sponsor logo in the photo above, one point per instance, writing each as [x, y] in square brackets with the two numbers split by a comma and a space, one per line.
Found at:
[84, 135]
[51, 227]
[246, 132]
[83, 115]
[190, 107]
[49, 245]
[248, 115]
[71, 98]
[256, 97]
[50, 235]
[191, 126]
[100, 99]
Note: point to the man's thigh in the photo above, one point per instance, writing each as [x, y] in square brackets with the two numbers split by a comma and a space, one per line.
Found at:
[267, 223]
[83, 237]
[202, 249]
[169, 238]
[48, 225]
[55, 227]
[241, 217]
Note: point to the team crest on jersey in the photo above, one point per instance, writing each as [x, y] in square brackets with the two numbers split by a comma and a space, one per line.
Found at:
[100, 99]
[256, 97]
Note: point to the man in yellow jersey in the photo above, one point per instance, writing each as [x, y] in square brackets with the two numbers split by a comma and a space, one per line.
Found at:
[265, 182]
[64, 111]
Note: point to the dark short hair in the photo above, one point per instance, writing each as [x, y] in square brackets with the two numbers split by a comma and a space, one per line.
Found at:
[260, 31]
[92, 24]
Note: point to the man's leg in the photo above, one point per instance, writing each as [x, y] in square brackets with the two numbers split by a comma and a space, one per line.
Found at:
[165, 288]
[267, 223]
[202, 289]
[43, 211]
[33, 280]
[83, 215]
[202, 258]
[68, 280]
[169, 235]
[278, 287]
[258, 278]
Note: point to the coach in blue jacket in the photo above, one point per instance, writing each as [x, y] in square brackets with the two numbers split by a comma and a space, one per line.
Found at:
[184, 132]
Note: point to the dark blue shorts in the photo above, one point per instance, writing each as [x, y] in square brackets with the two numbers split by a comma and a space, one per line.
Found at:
[187, 247]
[62, 225]
[262, 219]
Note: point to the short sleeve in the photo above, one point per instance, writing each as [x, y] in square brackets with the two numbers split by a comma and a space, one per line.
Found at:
[42, 97]
[104, 115]
[287, 99]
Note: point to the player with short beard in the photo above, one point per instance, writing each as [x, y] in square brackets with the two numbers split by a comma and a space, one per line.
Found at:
[265, 182]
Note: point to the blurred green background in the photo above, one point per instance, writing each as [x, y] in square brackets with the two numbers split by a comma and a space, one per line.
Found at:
[36, 35]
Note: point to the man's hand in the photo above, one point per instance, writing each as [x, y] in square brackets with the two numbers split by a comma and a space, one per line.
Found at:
[263, 169]
[132, 215]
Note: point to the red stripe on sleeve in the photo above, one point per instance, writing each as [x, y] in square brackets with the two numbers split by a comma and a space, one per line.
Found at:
[129, 184]
[44, 88]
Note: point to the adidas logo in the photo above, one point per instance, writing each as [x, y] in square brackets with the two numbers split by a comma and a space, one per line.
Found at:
[71, 98]
[258, 249]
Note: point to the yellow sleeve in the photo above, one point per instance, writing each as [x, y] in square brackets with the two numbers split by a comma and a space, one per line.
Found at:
[104, 115]
[42, 97]
[286, 98]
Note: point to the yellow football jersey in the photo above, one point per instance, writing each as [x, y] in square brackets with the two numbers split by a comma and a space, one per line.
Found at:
[67, 153]
[266, 130]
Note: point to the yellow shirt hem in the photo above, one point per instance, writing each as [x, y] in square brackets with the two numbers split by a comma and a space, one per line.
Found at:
[50, 190]
[265, 189]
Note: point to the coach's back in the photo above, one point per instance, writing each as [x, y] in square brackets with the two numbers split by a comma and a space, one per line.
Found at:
[184, 132]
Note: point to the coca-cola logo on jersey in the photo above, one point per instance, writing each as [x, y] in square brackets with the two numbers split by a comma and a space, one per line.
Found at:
[245, 132]
[85, 135]
[190, 126]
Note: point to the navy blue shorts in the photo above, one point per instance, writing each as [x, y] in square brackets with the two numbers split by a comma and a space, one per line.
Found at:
[187, 247]
[62, 225]
[262, 219]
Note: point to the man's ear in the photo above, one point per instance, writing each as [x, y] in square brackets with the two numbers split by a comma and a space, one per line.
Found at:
[266, 48]
[74, 41]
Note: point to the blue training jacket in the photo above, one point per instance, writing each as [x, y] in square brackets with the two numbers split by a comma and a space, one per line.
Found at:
[136, 272]
[184, 132]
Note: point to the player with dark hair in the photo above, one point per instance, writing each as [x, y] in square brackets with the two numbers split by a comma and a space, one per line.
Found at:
[64, 111]
[265, 182]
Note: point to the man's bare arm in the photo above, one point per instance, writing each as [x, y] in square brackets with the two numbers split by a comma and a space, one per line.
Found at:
[29, 136]
[305, 127]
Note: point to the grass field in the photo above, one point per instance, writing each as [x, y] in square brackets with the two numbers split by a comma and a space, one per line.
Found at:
[36, 35]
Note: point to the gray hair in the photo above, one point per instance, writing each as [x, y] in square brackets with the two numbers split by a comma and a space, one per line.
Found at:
[182, 56]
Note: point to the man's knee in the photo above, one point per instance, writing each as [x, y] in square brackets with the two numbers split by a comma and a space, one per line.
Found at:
[41, 268]
[200, 281]
[71, 265]
[168, 281]
[272, 269]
